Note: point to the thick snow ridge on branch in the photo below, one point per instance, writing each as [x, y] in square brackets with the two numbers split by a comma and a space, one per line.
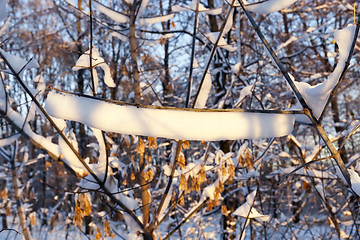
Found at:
[265, 7]
[317, 96]
[170, 122]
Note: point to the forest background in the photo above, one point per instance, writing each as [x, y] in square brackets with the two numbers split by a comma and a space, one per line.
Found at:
[260, 103]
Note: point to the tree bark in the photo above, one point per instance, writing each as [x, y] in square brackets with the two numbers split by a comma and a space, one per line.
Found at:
[145, 196]
[133, 47]
[18, 199]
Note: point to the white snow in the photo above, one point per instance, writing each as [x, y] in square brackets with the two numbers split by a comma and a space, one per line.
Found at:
[166, 203]
[355, 181]
[60, 123]
[236, 68]
[97, 61]
[100, 167]
[269, 6]
[204, 91]
[130, 2]
[165, 37]
[8, 140]
[130, 203]
[132, 227]
[310, 29]
[19, 64]
[248, 211]
[40, 88]
[119, 36]
[219, 40]
[313, 153]
[285, 44]
[114, 15]
[167, 171]
[229, 23]
[246, 91]
[213, 37]
[317, 96]
[308, 172]
[192, 6]
[69, 156]
[3, 11]
[191, 169]
[18, 120]
[170, 122]
[168, 36]
[208, 192]
[153, 20]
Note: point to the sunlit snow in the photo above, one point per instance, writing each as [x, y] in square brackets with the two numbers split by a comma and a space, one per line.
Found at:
[122, 37]
[153, 20]
[114, 15]
[317, 96]
[192, 6]
[355, 181]
[9, 140]
[265, 7]
[221, 42]
[97, 61]
[168, 123]
[246, 91]
[204, 92]
[166, 203]
[18, 64]
[20, 121]
[248, 211]
[213, 36]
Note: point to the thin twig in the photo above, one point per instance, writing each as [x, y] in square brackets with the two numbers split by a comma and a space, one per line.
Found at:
[5, 92]
[9, 229]
[349, 135]
[91, 48]
[19, 207]
[190, 80]
[213, 51]
[94, 91]
[248, 214]
[302, 166]
[168, 186]
[171, 208]
[185, 219]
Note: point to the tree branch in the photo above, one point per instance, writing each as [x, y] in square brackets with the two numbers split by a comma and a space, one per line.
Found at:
[298, 95]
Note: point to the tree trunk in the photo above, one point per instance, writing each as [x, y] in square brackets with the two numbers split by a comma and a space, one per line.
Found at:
[166, 82]
[18, 199]
[145, 196]
[133, 47]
